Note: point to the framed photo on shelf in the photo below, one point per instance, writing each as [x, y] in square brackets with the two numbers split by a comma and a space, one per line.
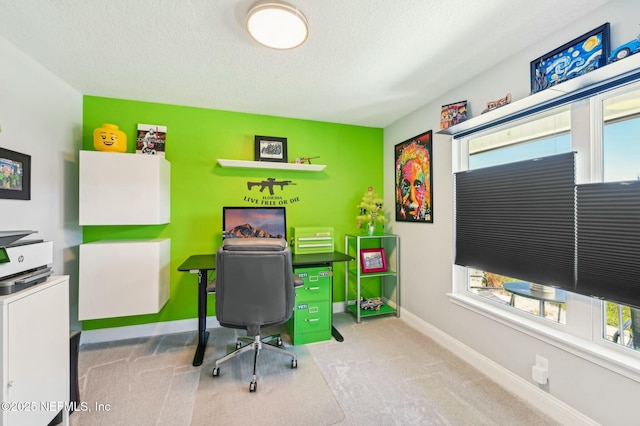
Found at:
[15, 175]
[580, 56]
[270, 148]
[414, 183]
[373, 260]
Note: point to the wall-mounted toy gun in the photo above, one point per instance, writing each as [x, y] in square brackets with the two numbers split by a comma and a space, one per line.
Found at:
[270, 183]
[303, 160]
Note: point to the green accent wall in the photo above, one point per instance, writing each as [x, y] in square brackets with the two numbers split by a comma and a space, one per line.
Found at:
[196, 138]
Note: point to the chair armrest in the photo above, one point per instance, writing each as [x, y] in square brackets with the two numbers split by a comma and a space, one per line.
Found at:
[297, 281]
[211, 288]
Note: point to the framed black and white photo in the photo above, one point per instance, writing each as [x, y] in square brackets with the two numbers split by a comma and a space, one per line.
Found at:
[15, 175]
[270, 148]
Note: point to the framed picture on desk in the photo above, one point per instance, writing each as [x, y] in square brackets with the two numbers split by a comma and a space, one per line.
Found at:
[373, 260]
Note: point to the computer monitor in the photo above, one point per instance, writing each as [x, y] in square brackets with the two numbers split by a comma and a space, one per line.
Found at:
[254, 222]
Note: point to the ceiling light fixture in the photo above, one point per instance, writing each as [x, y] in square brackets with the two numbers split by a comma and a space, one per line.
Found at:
[277, 25]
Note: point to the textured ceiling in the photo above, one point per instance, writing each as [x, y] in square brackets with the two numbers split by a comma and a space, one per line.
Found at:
[366, 62]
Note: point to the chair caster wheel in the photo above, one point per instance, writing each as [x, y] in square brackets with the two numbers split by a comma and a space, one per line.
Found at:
[253, 386]
[294, 363]
[215, 372]
[238, 345]
[279, 342]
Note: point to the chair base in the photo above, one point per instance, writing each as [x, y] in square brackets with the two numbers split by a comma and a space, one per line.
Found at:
[255, 345]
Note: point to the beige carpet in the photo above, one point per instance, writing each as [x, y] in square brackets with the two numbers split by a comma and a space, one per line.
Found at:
[152, 382]
[384, 373]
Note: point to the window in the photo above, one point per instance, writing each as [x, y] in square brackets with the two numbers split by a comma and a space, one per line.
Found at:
[602, 127]
[546, 134]
[621, 162]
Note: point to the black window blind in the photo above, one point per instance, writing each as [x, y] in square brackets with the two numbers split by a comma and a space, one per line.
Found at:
[518, 219]
[608, 241]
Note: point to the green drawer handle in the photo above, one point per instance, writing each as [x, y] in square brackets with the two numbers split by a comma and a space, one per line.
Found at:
[312, 320]
[313, 288]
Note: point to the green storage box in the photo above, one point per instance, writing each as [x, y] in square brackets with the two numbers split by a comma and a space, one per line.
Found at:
[312, 240]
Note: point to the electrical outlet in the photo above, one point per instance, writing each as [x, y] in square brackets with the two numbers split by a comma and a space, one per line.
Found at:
[542, 362]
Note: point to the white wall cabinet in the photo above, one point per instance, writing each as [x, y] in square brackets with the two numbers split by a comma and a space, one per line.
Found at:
[124, 189]
[35, 353]
[122, 278]
[130, 277]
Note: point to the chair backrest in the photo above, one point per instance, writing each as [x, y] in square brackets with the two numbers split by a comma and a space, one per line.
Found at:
[254, 283]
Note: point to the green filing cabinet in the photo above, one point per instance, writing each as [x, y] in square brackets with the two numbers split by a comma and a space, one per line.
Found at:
[311, 320]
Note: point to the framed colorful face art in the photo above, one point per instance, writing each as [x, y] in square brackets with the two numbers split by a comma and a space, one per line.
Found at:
[413, 190]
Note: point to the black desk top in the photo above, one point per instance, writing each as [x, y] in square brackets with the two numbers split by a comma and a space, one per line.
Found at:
[203, 262]
[207, 262]
[318, 258]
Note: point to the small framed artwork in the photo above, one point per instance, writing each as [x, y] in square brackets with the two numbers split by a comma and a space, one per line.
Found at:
[373, 260]
[270, 148]
[414, 183]
[15, 175]
[580, 56]
[453, 114]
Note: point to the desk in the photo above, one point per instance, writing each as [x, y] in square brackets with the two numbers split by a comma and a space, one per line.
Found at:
[521, 288]
[201, 264]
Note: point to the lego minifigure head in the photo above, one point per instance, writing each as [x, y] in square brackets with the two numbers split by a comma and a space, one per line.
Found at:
[109, 138]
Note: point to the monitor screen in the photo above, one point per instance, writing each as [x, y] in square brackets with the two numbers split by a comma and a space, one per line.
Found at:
[254, 222]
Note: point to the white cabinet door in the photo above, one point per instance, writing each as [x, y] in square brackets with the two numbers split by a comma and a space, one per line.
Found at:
[38, 354]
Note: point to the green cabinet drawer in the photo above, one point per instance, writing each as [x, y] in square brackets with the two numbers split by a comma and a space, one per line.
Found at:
[317, 284]
[311, 322]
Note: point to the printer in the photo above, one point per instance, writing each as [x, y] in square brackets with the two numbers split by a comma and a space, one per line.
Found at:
[23, 263]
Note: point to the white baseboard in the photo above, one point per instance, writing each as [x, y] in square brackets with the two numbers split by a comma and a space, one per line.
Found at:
[157, 328]
[339, 307]
[515, 384]
[143, 330]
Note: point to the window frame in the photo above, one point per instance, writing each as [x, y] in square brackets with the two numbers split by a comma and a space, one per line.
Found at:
[585, 316]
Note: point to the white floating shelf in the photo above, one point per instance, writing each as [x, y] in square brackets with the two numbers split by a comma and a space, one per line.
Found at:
[271, 165]
[616, 71]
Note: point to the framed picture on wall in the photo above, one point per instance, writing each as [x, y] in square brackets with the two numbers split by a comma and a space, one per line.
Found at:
[373, 260]
[414, 183]
[580, 56]
[270, 148]
[15, 175]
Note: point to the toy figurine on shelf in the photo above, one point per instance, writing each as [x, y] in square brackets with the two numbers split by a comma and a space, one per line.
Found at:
[372, 304]
[491, 105]
[624, 50]
[304, 160]
[109, 138]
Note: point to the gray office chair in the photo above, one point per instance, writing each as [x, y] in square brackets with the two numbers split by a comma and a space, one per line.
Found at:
[254, 288]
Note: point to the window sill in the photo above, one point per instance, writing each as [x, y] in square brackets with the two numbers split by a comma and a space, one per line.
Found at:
[627, 365]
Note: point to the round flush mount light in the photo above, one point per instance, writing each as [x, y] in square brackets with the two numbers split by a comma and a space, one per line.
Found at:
[277, 25]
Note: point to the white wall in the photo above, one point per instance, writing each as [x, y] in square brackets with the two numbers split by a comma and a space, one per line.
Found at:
[427, 249]
[41, 116]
